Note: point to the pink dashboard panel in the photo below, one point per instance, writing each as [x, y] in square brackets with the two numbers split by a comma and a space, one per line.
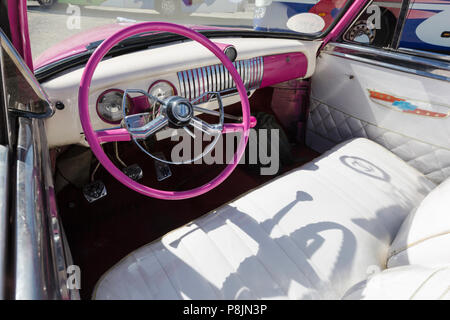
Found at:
[283, 67]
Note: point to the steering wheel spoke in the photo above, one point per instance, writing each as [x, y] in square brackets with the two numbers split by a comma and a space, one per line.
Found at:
[210, 130]
[140, 127]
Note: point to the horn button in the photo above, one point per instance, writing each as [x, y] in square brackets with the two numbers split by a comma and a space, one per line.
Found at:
[179, 111]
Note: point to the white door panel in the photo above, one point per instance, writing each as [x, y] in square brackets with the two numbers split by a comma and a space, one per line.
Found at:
[332, 85]
[407, 113]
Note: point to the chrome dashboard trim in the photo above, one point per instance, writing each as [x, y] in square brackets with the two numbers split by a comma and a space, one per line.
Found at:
[216, 78]
[394, 60]
[196, 83]
[181, 82]
[191, 85]
[208, 69]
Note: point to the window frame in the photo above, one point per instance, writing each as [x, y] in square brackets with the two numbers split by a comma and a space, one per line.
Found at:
[393, 46]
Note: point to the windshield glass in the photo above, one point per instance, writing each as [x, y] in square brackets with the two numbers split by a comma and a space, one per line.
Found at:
[53, 21]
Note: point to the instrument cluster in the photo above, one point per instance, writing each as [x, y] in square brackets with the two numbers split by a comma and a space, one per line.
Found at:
[109, 102]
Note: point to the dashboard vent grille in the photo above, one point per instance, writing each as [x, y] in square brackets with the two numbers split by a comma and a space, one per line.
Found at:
[195, 82]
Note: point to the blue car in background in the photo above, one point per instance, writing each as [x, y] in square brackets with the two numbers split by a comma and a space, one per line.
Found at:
[427, 26]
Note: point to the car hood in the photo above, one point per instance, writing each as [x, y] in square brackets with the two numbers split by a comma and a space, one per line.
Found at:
[77, 44]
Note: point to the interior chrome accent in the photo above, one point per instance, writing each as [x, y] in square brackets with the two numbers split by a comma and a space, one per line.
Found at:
[4, 215]
[217, 78]
[6, 46]
[391, 59]
[41, 257]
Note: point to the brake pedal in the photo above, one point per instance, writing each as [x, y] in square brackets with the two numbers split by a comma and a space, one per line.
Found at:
[162, 169]
[134, 172]
[94, 191]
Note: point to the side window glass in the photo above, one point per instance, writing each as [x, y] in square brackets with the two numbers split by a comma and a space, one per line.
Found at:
[375, 26]
[427, 27]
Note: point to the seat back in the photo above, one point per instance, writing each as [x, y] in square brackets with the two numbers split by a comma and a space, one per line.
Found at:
[412, 282]
[424, 237]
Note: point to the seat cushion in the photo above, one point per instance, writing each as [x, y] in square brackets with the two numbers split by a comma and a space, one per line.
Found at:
[311, 233]
[424, 237]
[413, 282]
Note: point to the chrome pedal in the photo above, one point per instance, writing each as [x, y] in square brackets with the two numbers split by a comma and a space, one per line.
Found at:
[94, 191]
[162, 169]
[134, 172]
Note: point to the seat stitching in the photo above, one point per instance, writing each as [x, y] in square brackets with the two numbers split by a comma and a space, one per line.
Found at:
[167, 275]
[214, 289]
[445, 292]
[142, 273]
[224, 257]
[426, 280]
[414, 243]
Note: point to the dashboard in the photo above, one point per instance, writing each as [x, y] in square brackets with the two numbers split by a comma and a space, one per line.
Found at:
[183, 68]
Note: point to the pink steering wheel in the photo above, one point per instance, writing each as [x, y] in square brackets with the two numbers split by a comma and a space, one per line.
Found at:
[95, 138]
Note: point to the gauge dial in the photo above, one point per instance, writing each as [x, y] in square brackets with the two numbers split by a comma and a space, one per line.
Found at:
[109, 106]
[162, 89]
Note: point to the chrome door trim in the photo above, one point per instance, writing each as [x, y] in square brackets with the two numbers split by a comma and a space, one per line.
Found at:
[4, 217]
[394, 60]
[40, 254]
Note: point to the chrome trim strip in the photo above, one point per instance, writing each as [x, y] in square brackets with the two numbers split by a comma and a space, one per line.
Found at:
[218, 84]
[228, 78]
[261, 76]
[40, 265]
[4, 217]
[181, 84]
[204, 81]
[250, 73]
[222, 77]
[253, 81]
[232, 81]
[208, 68]
[255, 72]
[425, 54]
[186, 85]
[391, 59]
[216, 78]
[247, 74]
[242, 70]
[196, 83]
[191, 85]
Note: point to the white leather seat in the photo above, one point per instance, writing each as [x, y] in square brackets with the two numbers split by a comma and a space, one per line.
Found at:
[312, 233]
[409, 282]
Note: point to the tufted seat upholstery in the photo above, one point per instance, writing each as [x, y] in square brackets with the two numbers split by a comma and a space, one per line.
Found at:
[312, 233]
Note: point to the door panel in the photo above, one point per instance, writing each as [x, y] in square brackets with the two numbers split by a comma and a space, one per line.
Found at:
[402, 107]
